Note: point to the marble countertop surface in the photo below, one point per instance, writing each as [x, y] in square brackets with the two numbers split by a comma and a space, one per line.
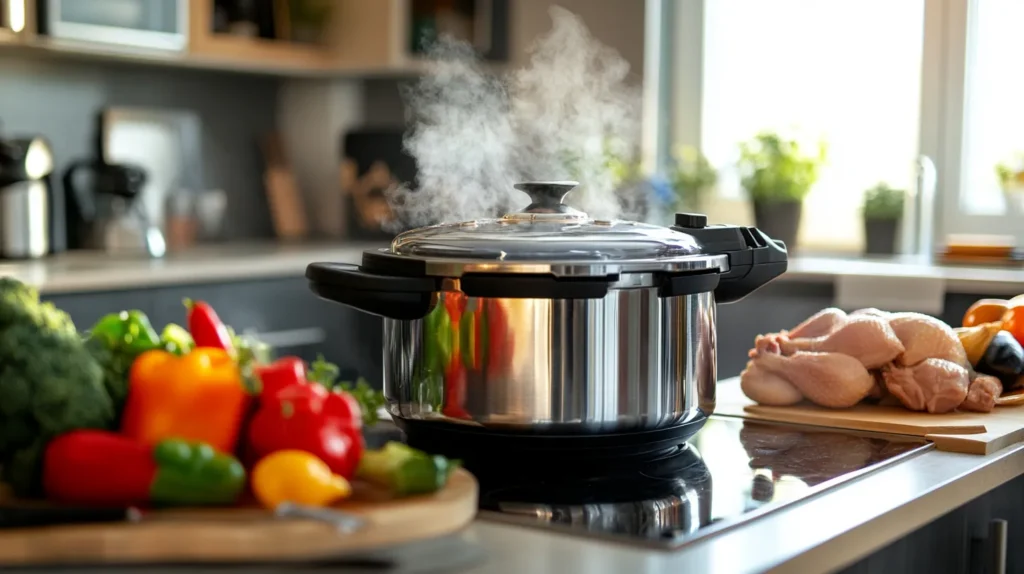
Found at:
[92, 271]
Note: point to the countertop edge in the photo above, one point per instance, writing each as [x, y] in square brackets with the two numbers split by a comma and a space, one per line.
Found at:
[86, 272]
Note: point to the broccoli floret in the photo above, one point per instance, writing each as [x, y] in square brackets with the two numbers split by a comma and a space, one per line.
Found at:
[116, 367]
[23, 469]
[49, 383]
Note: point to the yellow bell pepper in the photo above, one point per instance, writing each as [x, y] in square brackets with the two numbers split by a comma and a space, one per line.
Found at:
[299, 477]
[197, 397]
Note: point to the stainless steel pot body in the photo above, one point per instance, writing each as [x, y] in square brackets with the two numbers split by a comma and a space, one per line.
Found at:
[631, 360]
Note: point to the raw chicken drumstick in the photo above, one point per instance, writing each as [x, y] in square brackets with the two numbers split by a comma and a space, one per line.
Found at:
[935, 385]
[767, 388]
[868, 339]
[827, 379]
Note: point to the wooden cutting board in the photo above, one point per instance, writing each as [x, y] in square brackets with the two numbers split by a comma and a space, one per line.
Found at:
[971, 433]
[246, 534]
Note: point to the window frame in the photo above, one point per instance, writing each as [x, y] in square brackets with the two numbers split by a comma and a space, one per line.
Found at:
[945, 50]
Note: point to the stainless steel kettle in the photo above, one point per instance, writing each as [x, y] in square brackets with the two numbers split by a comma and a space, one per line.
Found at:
[25, 222]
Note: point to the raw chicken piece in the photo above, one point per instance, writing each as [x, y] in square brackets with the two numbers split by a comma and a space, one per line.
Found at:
[878, 392]
[870, 312]
[868, 339]
[821, 323]
[827, 379]
[767, 388]
[925, 337]
[982, 394]
[935, 385]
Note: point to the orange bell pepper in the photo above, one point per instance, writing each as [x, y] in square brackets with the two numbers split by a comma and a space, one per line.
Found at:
[196, 397]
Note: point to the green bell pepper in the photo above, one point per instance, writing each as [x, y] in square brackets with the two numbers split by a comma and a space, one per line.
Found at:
[195, 474]
[404, 470]
[128, 332]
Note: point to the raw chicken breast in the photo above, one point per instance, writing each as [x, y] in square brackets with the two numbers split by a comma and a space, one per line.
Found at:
[826, 379]
[767, 388]
[982, 394]
[866, 338]
[935, 385]
[821, 323]
[925, 337]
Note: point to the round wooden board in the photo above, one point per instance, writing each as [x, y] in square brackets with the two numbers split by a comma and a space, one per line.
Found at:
[246, 534]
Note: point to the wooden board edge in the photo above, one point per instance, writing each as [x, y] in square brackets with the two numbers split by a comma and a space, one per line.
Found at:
[823, 419]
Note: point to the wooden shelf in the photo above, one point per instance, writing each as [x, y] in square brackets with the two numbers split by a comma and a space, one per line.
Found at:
[366, 38]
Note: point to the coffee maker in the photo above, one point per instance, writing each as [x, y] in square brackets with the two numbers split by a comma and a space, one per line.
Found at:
[107, 213]
[25, 200]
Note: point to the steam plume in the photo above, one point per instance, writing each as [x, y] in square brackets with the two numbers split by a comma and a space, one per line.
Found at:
[474, 134]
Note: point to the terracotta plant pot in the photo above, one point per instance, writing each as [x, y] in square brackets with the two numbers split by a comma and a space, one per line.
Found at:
[880, 236]
[780, 220]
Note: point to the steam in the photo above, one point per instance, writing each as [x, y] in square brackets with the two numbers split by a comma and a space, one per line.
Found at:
[474, 134]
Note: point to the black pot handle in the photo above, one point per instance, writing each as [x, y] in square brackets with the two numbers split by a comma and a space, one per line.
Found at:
[389, 296]
[754, 258]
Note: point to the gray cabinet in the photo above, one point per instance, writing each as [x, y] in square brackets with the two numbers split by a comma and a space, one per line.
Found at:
[959, 541]
[282, 311]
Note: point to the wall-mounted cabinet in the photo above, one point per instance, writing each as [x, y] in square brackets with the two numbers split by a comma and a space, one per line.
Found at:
[287, 37]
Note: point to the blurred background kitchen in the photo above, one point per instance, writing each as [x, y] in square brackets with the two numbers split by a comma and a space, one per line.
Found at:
[152, 150]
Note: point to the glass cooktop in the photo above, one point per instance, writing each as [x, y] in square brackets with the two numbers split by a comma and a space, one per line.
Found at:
[731, 472]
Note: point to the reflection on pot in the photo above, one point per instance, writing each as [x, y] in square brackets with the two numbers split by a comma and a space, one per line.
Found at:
[631, 360]
[462, 342]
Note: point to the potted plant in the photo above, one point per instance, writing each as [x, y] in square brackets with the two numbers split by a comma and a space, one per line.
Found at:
[1011, 180]
[883, 210]
[692, 179]
[777, 176]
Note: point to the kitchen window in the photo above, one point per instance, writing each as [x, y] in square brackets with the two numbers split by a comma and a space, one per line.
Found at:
[880, 82]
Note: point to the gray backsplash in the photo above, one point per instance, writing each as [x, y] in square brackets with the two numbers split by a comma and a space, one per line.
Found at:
[61, 100]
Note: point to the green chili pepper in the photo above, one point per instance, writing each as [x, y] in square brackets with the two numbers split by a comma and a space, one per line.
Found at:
[194, 474]
[405, 470]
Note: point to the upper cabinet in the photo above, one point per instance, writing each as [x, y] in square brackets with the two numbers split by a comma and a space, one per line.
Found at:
[289, 37]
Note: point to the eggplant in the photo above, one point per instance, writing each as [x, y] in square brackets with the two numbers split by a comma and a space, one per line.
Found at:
[1004, 359]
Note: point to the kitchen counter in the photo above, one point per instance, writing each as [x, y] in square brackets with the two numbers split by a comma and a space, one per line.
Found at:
[825, 532]
[83, 271]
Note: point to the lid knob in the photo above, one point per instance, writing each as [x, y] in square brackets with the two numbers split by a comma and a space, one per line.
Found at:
[547, 196]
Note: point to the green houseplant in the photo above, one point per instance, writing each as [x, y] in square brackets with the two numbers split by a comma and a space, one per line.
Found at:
[883, 210]
[777, 175]
[692, 179]
[1011, 181]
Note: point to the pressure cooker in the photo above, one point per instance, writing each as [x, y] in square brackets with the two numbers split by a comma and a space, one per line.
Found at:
[549, 324]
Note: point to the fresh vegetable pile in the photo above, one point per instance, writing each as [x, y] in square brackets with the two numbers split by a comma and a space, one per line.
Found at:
[126, 416]
[992, 335]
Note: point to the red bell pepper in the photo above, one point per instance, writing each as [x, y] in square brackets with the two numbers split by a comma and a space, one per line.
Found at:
[310, 418]
[282, 373]
[206, 327]
[101, 468]
[500, 344]
[455, 393]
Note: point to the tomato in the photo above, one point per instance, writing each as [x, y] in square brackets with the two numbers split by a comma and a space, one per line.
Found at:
[985, 311]
[1013, 321]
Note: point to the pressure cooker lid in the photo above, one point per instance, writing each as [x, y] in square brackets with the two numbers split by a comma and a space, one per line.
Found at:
[547, 230]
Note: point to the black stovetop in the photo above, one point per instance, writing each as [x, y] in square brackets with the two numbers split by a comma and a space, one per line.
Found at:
[731, 472]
